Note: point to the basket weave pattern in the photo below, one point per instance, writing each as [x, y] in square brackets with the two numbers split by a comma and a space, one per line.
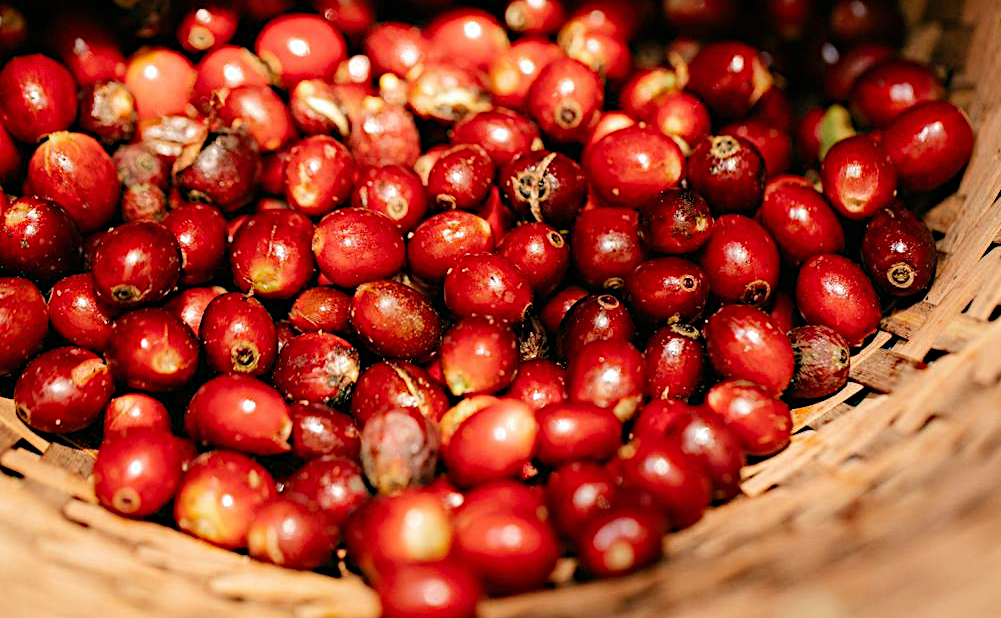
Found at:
[886, 503]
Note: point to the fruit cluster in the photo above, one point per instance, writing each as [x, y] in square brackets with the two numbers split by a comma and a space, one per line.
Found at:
[456, 302]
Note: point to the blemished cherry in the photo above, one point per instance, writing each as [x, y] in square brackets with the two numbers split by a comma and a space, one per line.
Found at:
[391, 384]
[317, 368]
[399, 449]
[547, 186]
[823, 361]
[63, 390]
[319, 430]
[138, 471]
[677, 221]
[271, 254]
[219, 496]
[319, 175]
[334, 485]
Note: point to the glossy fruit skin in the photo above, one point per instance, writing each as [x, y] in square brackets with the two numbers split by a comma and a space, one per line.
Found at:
[728, 172]
[220, 495]
[639, 94]
[355, 245]
[394, 47]
[108, 111]
[620, 170]
[892, 87]
[240, 413]
[387, 532]
[395, 320]
[150, 349]
[898, 252]
[681, 116]
[147, 76]
[546, 186]
[487, 285]
[741, 261]
[565, 100]
[674, 481]
[761, 422]
[493, 443]
[461, 177]
[24, 322]
[300, 46]
[38, 97]
[511, 74]
[510, 552]
[468, 33]
[606, 245]
[189, 306]
[539, 383]
[594, 318]
[200, 231]
[558, 305]
[823, 362]
[321, 308]
[118, 282]
[441, 240]
[63, 390]
[399, 449]
[238, 335]
[667, 288]
[317, 368]
[772, 143]
[801, 221]
[75, 172]
[438, 590]
[858, 177]
[601, 544]
[39, 239]
[502, 133]
[928, 144]
[133, 411]
[705, 437]
[576, 493]
[292, 535]
[223, 69]
[390, 384]
[319, 174]
[743, 343]
[393, 190]
[137, 472]
[317, 110]
[505, 495]
[260, 112]
[833, 291]
[271, 254]
[676, 364]
[840, 79]
[332, 484]
[609, 374]
[729, 76]
[676, 222]
[206, 27]
[318, 430]
[479, 355]
[223, 173]
[539, 252]
[384, 134]
[77, 315]
[571, 432]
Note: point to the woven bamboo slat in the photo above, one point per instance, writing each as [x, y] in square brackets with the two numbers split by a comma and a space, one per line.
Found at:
[887, 502]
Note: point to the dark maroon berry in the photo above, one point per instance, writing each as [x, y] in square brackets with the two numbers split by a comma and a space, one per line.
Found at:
[675, 362]
[395, 320]
[606, 246]
[729, 172]
[898, 252]
[594, 318]
[677, 221]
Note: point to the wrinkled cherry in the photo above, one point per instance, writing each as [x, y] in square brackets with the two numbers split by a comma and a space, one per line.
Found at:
[548, 186]
[822, 362]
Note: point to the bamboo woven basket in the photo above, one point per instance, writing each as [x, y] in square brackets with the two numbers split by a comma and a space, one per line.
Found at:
[886, 503]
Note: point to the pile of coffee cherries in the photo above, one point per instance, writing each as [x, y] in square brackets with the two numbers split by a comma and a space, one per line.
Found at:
[460, 298]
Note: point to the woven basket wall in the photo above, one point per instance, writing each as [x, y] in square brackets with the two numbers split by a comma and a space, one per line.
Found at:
[887, 503]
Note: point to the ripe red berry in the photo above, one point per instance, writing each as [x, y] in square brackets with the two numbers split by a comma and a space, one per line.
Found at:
[801, 221]
[730, 77]
[37, 97]
[565, 100]
[761, 421]
[741, 261]
[898, 251]
[858, 177]
[394, 320]
[833, 291]
[355, 245]
[929, 144]
[316, 367]
[487, 285]
[667, 288]
[745, 344]
[135, 410]
[77, 315]
[138, 472]
[677, 221]
[63, 390]
[118, 282]
[620, 540]
[606, 246]
[239, 413]
[729, 172]
[676, 365]
[291, 534]
[890, 88]
[461, 178]
[479, 355]
[610, 374]
[319, 175]
[151, 349]
[300, 46]
[39, 239]
[631, 166]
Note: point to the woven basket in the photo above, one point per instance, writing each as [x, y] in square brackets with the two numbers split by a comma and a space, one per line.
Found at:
[886, 503]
